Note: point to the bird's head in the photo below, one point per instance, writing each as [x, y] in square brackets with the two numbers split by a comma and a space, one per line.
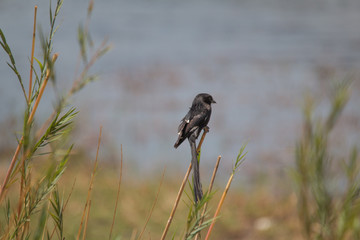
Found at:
[206, 98]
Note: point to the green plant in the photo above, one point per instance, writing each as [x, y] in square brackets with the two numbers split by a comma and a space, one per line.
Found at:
[326, 212]
[48, 142]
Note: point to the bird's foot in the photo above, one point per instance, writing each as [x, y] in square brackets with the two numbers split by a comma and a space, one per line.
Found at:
[206, 129]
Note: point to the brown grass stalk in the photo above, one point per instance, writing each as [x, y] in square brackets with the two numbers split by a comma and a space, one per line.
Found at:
[153, 206]
[22, 192]
[221, 202]
[23, 188]
[90, 188]
[68, 198]
[133, 234]
[86, 220]
[31, 117]
[22, 165]
[118, 192]
[209, 191]
[206, 130]
[32, 54]
[12, 164]
[42, 88]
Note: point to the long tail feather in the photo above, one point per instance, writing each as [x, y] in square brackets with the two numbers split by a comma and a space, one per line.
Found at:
[197, 185]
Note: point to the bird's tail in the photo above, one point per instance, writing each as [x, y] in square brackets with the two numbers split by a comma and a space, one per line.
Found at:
[197, 185]
[179, 141]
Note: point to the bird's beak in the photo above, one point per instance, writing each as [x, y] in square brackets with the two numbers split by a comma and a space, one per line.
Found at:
[213, 101]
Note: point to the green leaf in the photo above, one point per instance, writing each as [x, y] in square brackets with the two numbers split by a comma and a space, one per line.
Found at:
[240, 158]
[39, 63]
[56, 129]
[50, 14]
[58, 7]
[41, 224]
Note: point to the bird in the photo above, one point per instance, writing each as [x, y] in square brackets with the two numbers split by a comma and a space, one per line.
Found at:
[190, 127]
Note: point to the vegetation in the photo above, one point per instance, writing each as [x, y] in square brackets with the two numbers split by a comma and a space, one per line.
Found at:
[49, 141]
[327, 210]
[45, 195]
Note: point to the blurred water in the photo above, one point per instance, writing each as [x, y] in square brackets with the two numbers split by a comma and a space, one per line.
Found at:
[257, 58]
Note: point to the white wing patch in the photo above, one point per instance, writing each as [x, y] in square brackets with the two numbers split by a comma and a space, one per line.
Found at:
[194, 129]
[187, 120]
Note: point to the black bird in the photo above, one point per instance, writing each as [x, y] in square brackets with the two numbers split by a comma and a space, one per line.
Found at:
[190, 127]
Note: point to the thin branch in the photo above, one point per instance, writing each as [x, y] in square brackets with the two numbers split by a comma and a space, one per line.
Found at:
[68, 198]
[219, 205]
[23, 182]
[240, 159]
[118, 192]
[12, 164]
[86, 221]
[209, 191]
[32, 54]
[41, 91]
[42, 88]
[90, 186]
[177, 200]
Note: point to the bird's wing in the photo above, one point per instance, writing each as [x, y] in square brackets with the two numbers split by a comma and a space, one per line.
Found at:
[184, 122]
[195, 123]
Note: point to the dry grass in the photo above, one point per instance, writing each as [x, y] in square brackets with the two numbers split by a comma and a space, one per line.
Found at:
[258, 214]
